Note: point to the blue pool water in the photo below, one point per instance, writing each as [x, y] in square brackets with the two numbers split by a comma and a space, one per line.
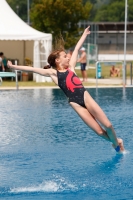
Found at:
[47, 152]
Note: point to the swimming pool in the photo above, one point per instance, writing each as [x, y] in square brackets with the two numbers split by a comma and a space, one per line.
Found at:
[47, 152]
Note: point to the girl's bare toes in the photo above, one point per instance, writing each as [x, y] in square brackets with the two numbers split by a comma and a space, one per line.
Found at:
[120, 142]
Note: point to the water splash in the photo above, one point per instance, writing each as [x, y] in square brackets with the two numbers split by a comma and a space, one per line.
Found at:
[58, 185]
[49, 186]
[126, 152]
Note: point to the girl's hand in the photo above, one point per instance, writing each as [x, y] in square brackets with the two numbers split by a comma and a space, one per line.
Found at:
[9, 63]
[87, 31]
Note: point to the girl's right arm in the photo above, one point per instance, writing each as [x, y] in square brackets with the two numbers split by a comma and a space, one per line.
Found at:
[44, 72]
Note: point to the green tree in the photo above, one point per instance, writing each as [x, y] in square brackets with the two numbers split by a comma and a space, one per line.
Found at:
[114, 11]
[20, 7]
[130, 11]
[93, 10]
[96, 5]
[91, 1]
[60, 17]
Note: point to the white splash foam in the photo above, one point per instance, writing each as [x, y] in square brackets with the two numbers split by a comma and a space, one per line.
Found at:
[47, 186]
[123, 152]
[126, 152]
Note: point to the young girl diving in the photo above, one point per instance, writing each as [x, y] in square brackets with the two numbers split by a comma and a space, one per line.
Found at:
[61, 70]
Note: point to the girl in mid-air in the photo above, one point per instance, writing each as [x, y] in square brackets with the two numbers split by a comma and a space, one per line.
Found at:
[61, 70]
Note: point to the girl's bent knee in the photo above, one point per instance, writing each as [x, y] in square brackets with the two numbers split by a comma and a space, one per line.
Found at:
[109, 126]
[101, 133]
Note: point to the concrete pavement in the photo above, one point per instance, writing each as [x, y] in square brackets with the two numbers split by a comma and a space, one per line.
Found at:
[112, 81]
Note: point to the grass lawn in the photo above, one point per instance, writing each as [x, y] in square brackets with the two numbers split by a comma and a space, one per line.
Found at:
[34, 84]
[105, 71]
[26, 84]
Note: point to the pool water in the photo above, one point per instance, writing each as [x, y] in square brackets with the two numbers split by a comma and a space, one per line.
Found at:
[47, 152]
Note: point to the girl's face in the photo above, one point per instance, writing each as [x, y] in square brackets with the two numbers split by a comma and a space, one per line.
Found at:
[63, 60]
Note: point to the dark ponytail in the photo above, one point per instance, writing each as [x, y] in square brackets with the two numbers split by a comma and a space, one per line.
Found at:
[47, 67]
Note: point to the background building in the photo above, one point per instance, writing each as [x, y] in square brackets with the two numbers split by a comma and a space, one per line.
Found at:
[109, 39]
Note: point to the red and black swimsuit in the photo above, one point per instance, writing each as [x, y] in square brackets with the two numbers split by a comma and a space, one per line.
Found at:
[71, 86]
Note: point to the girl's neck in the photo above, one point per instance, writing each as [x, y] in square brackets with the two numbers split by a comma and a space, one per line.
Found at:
[60, 68]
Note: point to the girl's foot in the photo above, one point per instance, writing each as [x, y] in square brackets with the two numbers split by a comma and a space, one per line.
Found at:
[119, 148]
[121, 145]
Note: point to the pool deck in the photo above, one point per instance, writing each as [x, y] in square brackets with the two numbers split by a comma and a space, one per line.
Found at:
[115, 82]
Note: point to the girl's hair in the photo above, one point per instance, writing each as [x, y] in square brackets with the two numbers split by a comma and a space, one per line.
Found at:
[58, 47]
[47, 67]
[52, 57]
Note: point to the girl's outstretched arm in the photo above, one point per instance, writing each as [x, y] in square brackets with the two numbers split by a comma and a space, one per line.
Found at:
[44, 72]
[73, 59]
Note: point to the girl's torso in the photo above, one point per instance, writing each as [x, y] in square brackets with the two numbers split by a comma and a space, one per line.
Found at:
[71, 86]
[54, 76]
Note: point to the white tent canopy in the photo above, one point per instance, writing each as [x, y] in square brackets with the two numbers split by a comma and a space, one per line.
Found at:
[13, 28]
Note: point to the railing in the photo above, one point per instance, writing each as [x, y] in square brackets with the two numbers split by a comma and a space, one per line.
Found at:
[10, 74]
[131, 74]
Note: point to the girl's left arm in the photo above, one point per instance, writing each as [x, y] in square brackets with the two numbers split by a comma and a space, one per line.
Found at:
[74, 56]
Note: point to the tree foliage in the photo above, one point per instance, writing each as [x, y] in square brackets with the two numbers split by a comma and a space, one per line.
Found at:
[114, 11]
[102, 10]
[60, 18]
[91, 1]
[130, 11]
[20, 7]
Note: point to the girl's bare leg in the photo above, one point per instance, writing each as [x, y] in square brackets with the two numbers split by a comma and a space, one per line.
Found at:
[90, 120]
[100, 116]
[94, 125]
